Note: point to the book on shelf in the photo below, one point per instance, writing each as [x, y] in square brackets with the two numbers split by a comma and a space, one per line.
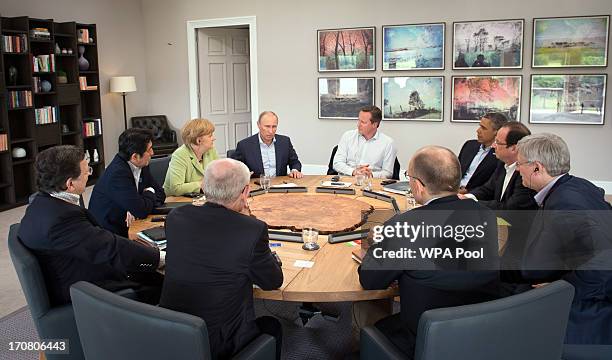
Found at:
[92, 128]
[18, 99]
[40, 33]
[46, 115]
[3, 142]
[83, 37]
[43, 63]
[14, 43]
[83, 82]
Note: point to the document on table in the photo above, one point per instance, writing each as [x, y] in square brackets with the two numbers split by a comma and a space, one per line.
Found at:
[338, 184]
[303, 264]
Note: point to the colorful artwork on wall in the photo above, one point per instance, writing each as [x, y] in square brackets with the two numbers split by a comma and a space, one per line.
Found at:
[343, 97]
[413, 98]
[413, 47]
[474, 96]
[346, 49]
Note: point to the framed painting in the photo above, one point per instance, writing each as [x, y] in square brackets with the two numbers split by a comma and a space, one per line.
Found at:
[413, 47]
[474, 96]
[346, 49]
[343, 97]
[413, 98]
[568, 99]
[496, 44]
[570, 42]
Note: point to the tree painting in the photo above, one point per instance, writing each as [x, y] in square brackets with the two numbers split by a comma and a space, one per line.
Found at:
[474, 96]
[413, 98]
[346, 49]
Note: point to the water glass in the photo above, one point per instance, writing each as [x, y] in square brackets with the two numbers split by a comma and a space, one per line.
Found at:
[264, 182]
[359, 179]
[310, 237]
[367, 183]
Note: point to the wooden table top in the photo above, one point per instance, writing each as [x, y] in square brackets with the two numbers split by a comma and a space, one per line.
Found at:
[333, 277]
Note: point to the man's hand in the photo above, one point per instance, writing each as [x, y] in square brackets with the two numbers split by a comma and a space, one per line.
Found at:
[463, 190]
[129, 219]
[296, 174]
[537, 286]
[362, 169]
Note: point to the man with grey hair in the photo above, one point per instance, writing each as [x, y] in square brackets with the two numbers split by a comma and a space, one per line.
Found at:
[267, 153]
[570, 236]
[216, 253]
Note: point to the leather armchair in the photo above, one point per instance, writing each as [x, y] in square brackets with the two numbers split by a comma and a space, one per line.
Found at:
[114, 327]
[530, 325]
[164, 138]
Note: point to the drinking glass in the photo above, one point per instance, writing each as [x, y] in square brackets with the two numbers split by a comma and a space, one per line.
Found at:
[310, 237]
[264, 181]
[359, 179]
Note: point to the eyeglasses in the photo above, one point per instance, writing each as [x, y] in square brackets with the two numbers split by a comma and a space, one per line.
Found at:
[499, 143]
[413, 177]
[519, 164]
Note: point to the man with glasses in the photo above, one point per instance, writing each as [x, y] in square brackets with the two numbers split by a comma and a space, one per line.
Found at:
[427, 283]
[69, 244]
[477, 157]
[127, 190]
[570, 237]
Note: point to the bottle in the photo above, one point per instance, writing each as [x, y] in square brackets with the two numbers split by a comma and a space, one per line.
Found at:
[96, 157]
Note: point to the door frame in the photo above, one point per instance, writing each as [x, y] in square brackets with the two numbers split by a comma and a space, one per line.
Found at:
[192, 56]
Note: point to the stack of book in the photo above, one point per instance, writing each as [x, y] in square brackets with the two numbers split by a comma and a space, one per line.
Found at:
[40, 33]
[43, 63]
[155, 237]
[92, 128]
[19, 99]
[83, 84]
[46, 115]
[3, 142]
[14, 43]
[83, 36]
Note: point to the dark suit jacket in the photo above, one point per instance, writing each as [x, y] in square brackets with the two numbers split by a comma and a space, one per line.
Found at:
[483, 171]
[573, 231]
[115, 194]
[422, 290]
[214, 256]
[248, 152]
[70, 246]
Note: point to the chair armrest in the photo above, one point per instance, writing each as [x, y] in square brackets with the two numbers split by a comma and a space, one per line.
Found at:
[375, 345]
[262, 348]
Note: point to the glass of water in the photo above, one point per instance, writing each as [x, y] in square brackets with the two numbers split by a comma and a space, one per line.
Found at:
[310, 237]
[359, 179]
[264, 182]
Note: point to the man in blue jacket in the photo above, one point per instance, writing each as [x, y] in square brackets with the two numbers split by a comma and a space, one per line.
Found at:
[570, 237]
[127, 190]
[267, 153]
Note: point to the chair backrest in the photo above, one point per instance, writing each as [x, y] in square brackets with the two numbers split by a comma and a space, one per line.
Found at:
[396, 169]
[230, 152]
[158, 124]
[51, 323]
[330, 167]
[158, 168]
[114, 327]
[530, 325]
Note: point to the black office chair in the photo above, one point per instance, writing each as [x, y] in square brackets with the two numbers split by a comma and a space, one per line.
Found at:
[230, 153]
[331, 171]
[159, 168]
[51, 322]
[113, 327]
[164, 138]
[530, 325]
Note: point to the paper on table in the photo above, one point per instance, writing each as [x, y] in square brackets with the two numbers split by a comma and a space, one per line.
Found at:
[338, 184]
[285, 185]
[303, 264]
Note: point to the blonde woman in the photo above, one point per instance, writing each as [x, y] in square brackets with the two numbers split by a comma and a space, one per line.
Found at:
[189, 161]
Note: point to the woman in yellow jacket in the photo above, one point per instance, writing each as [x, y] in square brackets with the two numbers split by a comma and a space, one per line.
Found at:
[186, 169]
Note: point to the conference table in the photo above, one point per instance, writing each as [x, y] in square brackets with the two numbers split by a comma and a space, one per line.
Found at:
[333, 275]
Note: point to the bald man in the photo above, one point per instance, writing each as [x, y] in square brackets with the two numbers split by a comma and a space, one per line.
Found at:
[434, 174]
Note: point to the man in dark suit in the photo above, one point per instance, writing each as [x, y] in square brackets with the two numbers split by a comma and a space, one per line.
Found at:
[477, 157]
[268, 153]
[570, 237]
[216, 253]
[425, 282]
[67, 241]
[127, 190]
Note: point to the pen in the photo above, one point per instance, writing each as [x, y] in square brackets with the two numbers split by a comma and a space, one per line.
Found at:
[275, 244]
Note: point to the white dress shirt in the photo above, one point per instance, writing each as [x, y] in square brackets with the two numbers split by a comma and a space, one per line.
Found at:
[509, 172]
[480, 155]
[354, 150]
[136, 171]
[268, 156]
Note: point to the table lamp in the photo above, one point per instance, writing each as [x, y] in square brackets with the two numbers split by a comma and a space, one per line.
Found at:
[123, 85]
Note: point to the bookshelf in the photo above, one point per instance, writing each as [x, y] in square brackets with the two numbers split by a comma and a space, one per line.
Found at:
[41, 100]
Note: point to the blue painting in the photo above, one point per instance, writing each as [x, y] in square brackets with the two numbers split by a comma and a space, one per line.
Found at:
[413, 98]
[413, 47]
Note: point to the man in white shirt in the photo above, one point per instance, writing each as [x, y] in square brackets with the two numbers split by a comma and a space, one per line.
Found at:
[366, 150]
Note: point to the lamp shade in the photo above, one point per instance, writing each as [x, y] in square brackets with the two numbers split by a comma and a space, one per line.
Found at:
[122, 84]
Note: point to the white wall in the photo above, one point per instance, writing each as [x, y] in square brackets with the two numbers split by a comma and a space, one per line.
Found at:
[120, 50]
[287, 57]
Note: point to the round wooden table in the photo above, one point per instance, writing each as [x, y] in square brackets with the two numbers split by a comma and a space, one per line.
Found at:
[333, 276]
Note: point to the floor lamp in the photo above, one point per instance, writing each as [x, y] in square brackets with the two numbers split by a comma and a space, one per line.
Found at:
[123, 85]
